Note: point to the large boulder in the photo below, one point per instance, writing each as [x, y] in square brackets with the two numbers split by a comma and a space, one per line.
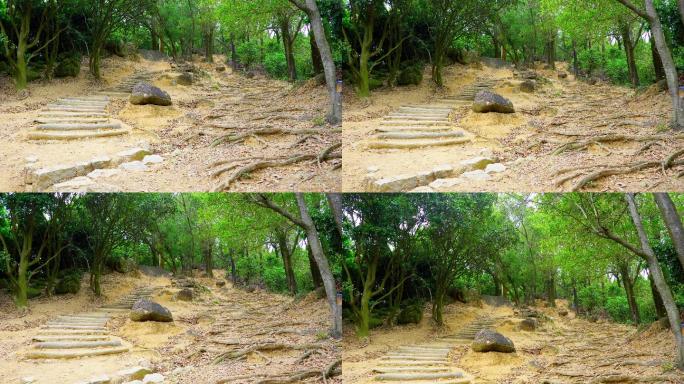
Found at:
[184, 294]
[490, 341]
[146, 310]
[487, 101]
[144, 93]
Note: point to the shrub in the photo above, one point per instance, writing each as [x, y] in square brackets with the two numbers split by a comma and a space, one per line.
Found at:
[69, 283]
[411, 314]
[412, 75]
[69, 65]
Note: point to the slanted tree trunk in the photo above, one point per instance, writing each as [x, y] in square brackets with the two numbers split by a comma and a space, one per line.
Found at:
[629, 291]
[311, 9]
[657, 300]
[659, 280]
[657, 63]
[316, 61]
[672, 221]
[315, 273]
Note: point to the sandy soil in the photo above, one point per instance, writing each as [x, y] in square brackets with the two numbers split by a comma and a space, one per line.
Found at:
[561, 350]
[559, 110]
[178, 133]
[182, 351]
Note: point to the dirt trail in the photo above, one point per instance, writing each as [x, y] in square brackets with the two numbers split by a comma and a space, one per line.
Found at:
[562, 350]
[216, 321]
[180, 134]
[535, 144]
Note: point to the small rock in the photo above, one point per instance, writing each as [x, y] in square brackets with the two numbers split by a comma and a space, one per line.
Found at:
[487, 101]
[153, 378]
[144, 93]
[147, 310]
[563, 312]
[31, 159]
[423, 189]
[102, 379]
[103, 173]
[137, 153]
[185, 78]
[490, 341]
[220, 283]
[495, 168]
[478, 175]
[442, 171]
[100, 162]
[477, 163]
[134, 373]
[134, 166]
[27, 380]
[184, 294]
[76, 184]
[372, 169]
[562, 75]
[528, 324]
[528, 86]
[152, 159]
[440, 185]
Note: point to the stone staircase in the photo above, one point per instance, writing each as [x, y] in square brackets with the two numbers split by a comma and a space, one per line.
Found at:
[125, 88]
[420, 363]
[83, 334]
[426, 125]
[76, 118]
[467, 334]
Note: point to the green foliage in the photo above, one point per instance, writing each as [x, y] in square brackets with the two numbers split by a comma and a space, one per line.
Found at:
[412, 313]
[70, 282]
[411, 75]
[69, 65]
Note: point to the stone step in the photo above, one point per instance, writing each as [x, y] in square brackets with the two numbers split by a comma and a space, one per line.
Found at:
[418, 376]
[76, 344]
[78, 126]
[62, 332]
[71, 354]
[409, 122]
[415, 357]
[102, 102]
[71, 338]
[56, 114]
[410, 369]
[416, 144]
[425, 348]
[413, 362]
[72, 322]
[410, 128]
[69, 326]
[75, 135]
[417, 135]
[65, 108]
[91, 120]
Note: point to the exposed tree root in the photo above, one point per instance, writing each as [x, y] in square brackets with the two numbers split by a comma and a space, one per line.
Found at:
[264, 347]
[334, 369]
[273, 162]
[273, 131]
[581, 144]
[606, 171]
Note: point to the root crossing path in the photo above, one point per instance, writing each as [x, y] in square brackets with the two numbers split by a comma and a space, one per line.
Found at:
[83, 334]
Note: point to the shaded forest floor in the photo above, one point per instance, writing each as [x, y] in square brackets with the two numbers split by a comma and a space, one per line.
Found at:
[216, 104]
[217, 321]
[562, 350]
[563, 132]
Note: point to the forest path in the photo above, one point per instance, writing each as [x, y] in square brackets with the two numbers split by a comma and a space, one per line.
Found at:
[566, 135]
[267, 121]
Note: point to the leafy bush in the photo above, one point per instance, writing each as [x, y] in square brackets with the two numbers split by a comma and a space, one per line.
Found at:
[411, 75]
[69, 65]
[248, 52]
[411, 314]
[69, 283]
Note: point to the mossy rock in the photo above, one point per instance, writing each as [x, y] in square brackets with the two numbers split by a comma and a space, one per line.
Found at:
[70, 283]
[411, 314]
[124, 265]
[68, 66]
[412, 75]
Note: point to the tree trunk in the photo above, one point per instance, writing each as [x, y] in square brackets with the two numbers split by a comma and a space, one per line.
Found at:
[315, 55]
[672, 221]
[657, 63]
[208, 253]
[287, 262]
[658, 277]
[680, 3]
[322, 262]
[311, 9]
[288, 45]
[575, 62]
[629, 51]
[668, 65]
[551, 292]
[233, 54]
[315, 273]
[21, 299]
[233, 269]
[629, 290]
[657, 300]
